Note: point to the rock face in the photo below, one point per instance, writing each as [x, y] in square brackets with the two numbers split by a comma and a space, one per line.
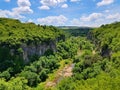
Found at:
[104, 50]
[38, 49]
[26, 51]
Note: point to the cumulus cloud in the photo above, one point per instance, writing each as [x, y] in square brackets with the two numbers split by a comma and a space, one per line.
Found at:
[74, 0]
[107, 11]
[23, 8]
[64, 6]
[91, 17]
[96, 19]
[105, 2]
[115, 16]
[3, 13]
[75, 22]
[51, 3]
[52, 20]
[7, 13]
[93, 20]
[23, 3]
[44, 7]
[7, 0]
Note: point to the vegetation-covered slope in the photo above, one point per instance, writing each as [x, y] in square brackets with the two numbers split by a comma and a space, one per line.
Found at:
[76, 31]
[22, 43]
[13, 70]
[107, 38]
[95, 58]
[13, 32]
[99, 69]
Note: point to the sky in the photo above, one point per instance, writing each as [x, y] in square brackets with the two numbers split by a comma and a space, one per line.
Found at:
[92, 13]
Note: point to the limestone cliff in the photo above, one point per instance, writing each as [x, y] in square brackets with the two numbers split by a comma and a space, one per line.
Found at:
[38, 49]
[33, 49]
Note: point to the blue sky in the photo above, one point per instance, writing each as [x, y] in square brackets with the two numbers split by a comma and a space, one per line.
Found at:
[62, 12]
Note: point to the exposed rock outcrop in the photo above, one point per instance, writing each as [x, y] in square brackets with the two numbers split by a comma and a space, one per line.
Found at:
[38, 49]
[26, 51]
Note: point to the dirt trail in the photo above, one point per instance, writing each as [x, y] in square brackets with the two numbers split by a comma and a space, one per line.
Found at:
[65, 72]
[93, 52]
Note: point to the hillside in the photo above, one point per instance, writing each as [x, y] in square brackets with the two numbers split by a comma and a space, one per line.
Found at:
[22, 43]
[107, 39]
[39, 57]
[76, 30]
[13, 32]
[99, 70]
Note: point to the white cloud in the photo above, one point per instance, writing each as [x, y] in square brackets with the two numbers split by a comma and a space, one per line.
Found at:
[7, 0]
[23, 3]
[91, 17]
[7, 13]
[107, 11]
[52, 20]
[78, 22]
[64, 6]
[4, 13]
[15, 15]
[52, 3]
[115, 16]
[97, 19]
[75, 22]
[74, 0]
[105, 2]
[44, 7]
[23, 8]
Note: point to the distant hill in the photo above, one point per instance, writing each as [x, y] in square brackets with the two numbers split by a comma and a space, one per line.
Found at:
[71, 27]
[76, 30]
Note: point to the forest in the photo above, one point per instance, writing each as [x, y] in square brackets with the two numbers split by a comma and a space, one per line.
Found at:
[76, 30]
[40, 57]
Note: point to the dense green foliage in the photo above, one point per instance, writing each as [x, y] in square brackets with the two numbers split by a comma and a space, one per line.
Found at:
[102, 82]
[76, 31]
[38, 70]
[98, 70]
[68, 49]
[107, 38]
[96, 58]
[14, 34]
[18, 83]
